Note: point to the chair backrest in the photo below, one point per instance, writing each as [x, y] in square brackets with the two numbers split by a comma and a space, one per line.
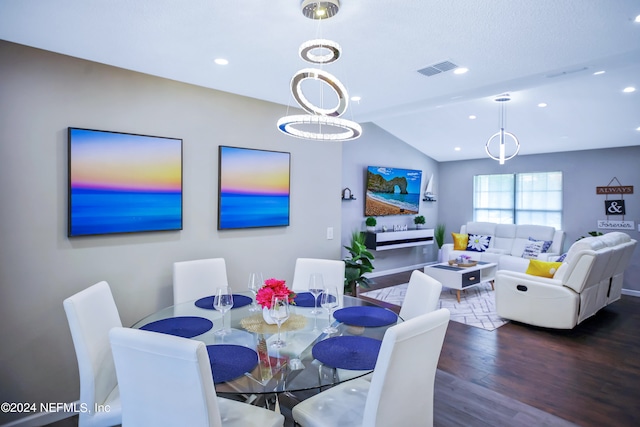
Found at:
[402, 385]
[332, 273]
[91, 313]
[198, 278]
[423, 294]
[164, 380]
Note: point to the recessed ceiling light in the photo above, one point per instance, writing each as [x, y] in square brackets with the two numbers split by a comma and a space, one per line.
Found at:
[629, 89]
[638, 128]
[457, 148]
[356, 98]
[637, 19]
[221, 61]
[597, 73]
[472, 117]
[460, 70]
[542, 104]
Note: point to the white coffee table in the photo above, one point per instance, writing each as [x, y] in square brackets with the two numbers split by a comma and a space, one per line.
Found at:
[460, 278]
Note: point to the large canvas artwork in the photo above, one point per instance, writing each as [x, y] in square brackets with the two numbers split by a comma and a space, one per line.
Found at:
[253, 188]
[123, 183]
[392, 191]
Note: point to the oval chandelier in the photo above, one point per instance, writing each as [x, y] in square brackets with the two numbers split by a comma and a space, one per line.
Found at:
[501, 136]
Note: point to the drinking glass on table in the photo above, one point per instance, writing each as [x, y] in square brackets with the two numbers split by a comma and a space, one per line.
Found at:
[223, 301]
[329, 301]
[279, 312]
[255, 283]
[316, 286]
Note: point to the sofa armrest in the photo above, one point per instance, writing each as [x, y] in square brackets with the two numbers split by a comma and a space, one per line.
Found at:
[535, 300]
[446, 249]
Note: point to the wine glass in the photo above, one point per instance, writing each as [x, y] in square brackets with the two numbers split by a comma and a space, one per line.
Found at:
[279, 312]
[255, 283]
[223, 301]
[316, 286]
[329, 301]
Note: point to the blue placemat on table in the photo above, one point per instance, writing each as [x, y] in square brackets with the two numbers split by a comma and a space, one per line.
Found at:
[182, 326]
[229, 362]
[238, 301]
[365, 316]
[305, 299]
[348, 352]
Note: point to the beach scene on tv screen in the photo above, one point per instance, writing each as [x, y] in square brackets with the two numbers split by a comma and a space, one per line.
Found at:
[392, 191]
[122, 183]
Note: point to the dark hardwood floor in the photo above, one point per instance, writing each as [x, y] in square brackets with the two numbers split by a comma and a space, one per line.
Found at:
[589, 375]
[520, 375]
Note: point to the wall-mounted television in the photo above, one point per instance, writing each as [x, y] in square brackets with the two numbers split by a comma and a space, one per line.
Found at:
[123, 183]
[253, 188]
[392, 191]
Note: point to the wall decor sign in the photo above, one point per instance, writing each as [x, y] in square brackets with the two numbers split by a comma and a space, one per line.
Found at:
[619, 189]
[123, 183]
[614, 207]
[253, 188]
[616, 225]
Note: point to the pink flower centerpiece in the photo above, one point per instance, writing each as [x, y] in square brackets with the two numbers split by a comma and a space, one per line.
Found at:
[273, 287]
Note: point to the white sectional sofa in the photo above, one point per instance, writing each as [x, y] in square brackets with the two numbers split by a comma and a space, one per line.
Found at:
[589, 278]
[507, 244]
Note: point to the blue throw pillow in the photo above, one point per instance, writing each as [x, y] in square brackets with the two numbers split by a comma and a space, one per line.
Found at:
[562, 257]
[478, 242]
[546, 244]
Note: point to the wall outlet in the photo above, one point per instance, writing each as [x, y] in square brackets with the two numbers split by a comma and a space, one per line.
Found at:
[329, 233]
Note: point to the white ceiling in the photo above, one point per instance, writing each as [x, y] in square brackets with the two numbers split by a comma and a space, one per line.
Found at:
[536, 50]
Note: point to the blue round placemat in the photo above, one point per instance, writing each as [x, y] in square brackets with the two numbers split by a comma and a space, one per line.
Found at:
[305, 299]
[238, 301]
[230, 361]
[348, 352]
[365, 316]
[182, 326]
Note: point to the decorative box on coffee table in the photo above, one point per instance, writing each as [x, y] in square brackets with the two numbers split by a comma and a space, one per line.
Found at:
[460, 278]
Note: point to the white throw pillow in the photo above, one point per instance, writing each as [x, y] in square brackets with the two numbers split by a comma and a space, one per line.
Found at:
[533, 249]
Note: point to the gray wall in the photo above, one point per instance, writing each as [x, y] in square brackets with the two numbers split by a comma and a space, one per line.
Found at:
[41, 94]
[379, 148]
[582, 172]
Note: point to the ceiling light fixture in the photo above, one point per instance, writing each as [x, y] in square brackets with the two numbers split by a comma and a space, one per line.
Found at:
[321, 124]
[460, 70]
[629, 89]
[314, 9]
[502, 157]
[472, 117]
[221, 61]
[542, 104]
[637, 20]
[597, 73]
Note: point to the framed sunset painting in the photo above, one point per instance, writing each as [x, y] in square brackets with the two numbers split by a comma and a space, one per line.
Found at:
[123, 183]
[253, 188]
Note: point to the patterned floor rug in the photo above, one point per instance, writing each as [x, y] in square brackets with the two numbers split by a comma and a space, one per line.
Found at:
[476, 307]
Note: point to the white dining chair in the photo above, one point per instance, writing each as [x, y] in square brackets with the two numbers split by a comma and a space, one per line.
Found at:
[91, 313]
[198, 278]
[332, 273]
[423, 294]
[166, 381]
[400, 392]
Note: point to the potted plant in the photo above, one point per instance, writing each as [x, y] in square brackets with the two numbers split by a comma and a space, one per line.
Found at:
[419, 221]
[357, 264]
[371, 222]
[438, 236]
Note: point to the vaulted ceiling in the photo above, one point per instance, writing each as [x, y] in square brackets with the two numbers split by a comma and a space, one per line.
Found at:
[538, 51]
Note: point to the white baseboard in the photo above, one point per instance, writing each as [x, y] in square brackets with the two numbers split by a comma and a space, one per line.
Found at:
[397, 270]
[631, 292]
[40, 419]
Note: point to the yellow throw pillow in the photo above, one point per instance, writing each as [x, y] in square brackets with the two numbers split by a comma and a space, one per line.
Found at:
[543, 268]
[460, 241]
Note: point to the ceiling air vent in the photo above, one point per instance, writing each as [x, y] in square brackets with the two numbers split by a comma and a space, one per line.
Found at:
[438, 68]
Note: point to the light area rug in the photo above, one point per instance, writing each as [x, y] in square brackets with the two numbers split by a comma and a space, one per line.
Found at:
[477, 306]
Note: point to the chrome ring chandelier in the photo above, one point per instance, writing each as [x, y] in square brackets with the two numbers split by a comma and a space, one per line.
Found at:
[307, 49]
[502, 135]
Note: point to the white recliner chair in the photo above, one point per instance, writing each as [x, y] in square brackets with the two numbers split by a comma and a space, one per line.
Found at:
[589, 278]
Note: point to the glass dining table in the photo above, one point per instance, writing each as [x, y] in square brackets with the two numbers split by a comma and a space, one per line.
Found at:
[244, 361]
